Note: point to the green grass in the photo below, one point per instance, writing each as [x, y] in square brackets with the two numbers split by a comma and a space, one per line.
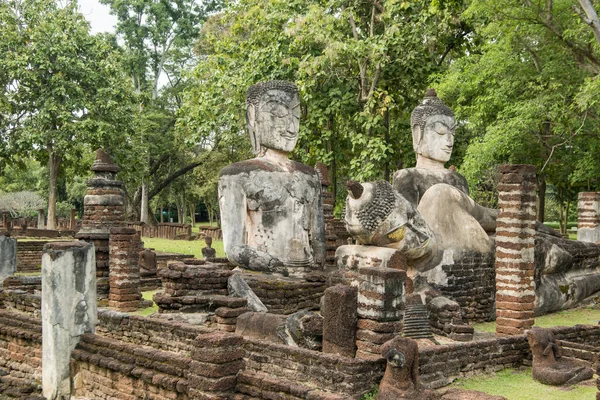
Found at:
[519, 385]
[149, 310]
[182, 246]
[583, 316]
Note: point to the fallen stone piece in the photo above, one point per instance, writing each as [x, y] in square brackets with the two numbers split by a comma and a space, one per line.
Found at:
[302, 329]
[8, 257]
[548, 367]
[237, 287]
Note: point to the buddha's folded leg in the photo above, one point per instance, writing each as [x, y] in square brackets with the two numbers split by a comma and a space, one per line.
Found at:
[455, 219]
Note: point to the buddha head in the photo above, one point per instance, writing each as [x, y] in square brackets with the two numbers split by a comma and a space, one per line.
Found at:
[432, 124]
[273, 116]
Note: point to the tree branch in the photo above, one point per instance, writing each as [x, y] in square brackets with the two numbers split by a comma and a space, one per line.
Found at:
[590, 17]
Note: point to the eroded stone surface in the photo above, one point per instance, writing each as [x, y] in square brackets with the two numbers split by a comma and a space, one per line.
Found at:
[8, 257]
[68, 310]
[237, 287]
[271, 207]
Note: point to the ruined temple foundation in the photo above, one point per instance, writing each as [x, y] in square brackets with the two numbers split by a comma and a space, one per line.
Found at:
[124, 271]
[103, 209]
[515, 239]
[380, 309]
[588, 217]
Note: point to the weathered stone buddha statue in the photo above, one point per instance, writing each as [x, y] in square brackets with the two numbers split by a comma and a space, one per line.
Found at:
[441, 195]
[271, 206]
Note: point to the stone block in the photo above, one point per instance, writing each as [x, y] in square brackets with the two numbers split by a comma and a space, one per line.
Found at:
[380, 293]
[69, 310]
[339, 320]
[8, 257]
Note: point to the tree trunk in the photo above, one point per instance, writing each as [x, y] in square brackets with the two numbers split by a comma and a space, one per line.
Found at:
[144, 204]
[54, 162]
[541, 204]
[567, 217]
[183, 209]
[193, 214]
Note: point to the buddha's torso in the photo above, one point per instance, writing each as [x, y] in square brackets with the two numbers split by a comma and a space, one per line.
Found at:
[281, 203]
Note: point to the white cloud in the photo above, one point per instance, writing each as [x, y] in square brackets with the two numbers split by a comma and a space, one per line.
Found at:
[98, 15]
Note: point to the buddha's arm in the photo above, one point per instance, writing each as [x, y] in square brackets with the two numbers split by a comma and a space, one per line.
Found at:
[317, 232]
[233, 205]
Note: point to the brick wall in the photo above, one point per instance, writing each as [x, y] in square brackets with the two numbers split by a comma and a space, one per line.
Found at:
[21, 349]
[30, 304]
[286, 295]
[441, 365]
[29, 255]
[472, 284]
[106, 368]
[273, 368]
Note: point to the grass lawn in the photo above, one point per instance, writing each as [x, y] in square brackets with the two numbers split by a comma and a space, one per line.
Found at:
[182, 246]
[149, 310]
[517, 384]
[584, 316]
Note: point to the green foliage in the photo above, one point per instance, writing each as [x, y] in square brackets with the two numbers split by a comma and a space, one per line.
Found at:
[543, 115]
[65, 91]
[360, 69]
[372, 395]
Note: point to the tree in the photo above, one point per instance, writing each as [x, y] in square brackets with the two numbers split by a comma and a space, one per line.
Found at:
[66, 91]
[360, 66]
[538, 115]
[158, 36]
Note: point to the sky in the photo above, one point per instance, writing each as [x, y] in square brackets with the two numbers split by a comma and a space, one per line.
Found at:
[98, 15]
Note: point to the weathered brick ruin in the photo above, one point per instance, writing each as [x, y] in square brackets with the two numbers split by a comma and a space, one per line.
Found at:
[124, 270]
[131, 357]
[103, 209]
[515, 240]
[380, 309]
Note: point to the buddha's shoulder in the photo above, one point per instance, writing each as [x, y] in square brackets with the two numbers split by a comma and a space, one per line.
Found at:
[247, 166]
[261, 165]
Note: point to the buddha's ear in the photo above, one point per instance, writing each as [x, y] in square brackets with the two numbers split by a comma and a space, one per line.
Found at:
[250, 115]
[417, 136]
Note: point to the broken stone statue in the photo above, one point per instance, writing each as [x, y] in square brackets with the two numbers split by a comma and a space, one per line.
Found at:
[208, 253]
[401, 378]
[271, 206]
[548, 366]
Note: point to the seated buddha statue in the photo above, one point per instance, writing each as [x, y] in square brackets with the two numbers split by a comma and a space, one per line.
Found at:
[439, 194]
[271, 206]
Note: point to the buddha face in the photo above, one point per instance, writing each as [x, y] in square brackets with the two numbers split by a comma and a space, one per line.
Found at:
[438, 138]
[276, 122]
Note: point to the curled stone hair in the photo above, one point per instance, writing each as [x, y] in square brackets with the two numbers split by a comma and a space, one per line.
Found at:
[430, 105]
[253, 95]
[373, 213]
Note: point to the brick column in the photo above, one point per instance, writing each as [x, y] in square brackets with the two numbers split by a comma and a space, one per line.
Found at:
[588, 217]
[515, 239]
[216, 360]
[124, 270]
[102, 210]
[380, 308]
